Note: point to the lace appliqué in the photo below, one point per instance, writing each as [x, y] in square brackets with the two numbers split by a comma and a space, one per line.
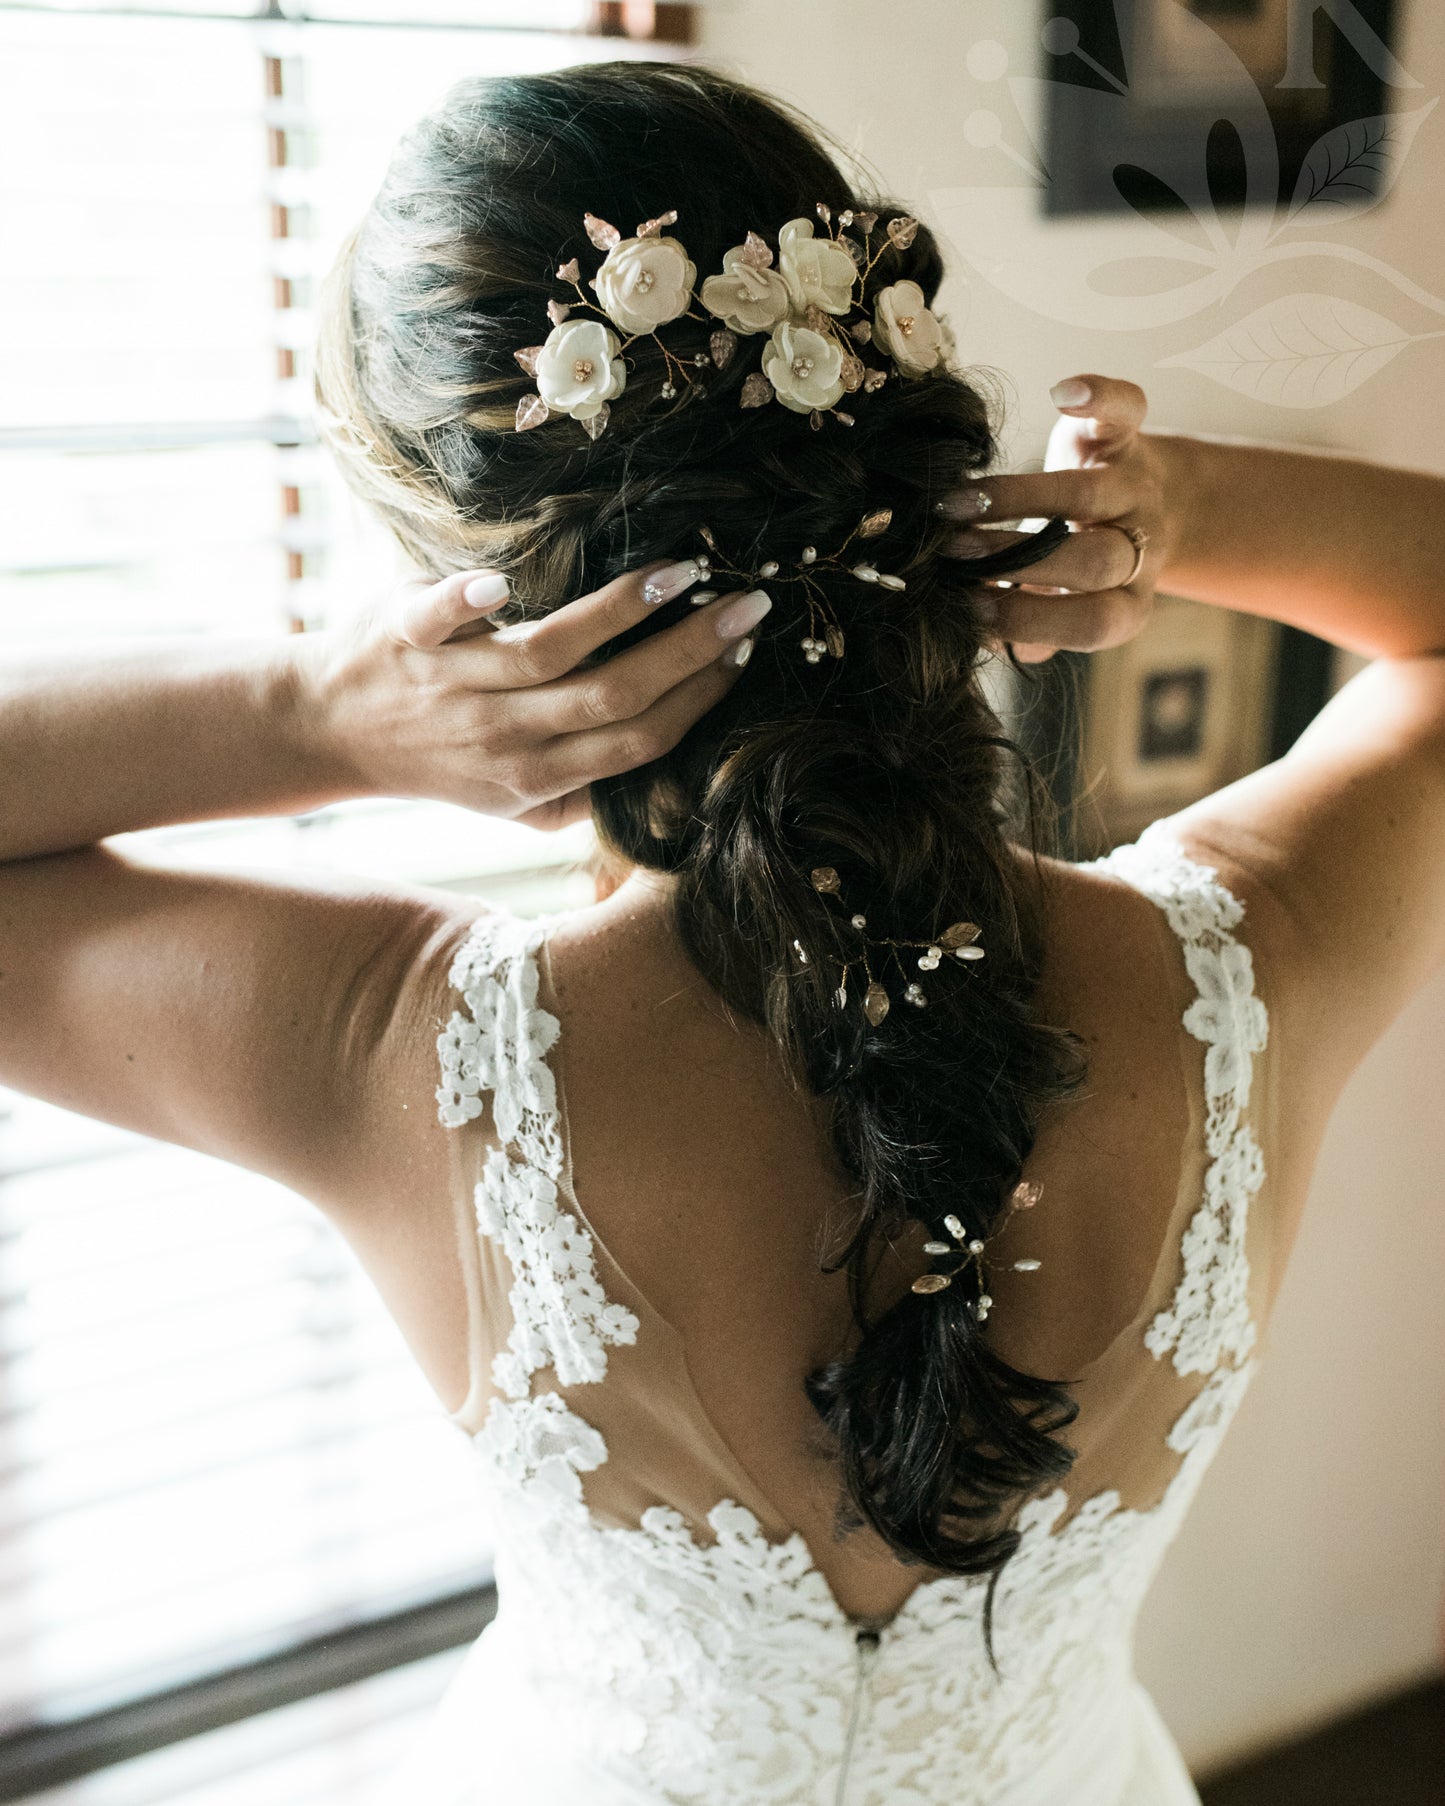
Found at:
[560, 1315]
[1209, 1316]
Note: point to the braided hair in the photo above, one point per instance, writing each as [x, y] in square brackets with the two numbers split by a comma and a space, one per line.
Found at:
[887, 765]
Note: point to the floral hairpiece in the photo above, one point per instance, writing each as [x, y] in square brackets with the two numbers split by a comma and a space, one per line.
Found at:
[805, 298]
[959, 941]
[1023, 1197]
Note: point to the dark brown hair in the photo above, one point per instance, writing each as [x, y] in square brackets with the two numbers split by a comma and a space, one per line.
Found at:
[888, 764]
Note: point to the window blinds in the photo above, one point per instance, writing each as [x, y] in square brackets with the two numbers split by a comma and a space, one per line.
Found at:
[212, 1440]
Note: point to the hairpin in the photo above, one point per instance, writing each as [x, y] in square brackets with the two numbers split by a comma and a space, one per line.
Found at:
[809, 300]
[1023, 1197]
[814, 644]
[959, 941]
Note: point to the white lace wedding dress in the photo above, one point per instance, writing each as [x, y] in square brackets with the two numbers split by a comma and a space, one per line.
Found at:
[662, 1641]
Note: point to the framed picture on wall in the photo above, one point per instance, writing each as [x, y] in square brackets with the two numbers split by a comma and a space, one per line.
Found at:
[1202, 697]
[1144, 100]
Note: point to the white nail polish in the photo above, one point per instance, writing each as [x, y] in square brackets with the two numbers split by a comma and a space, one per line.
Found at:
[486, 591]
[743, 615]
[1071, 394]
[671, 581]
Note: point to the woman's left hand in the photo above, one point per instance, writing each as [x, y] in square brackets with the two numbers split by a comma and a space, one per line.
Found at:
[1107, 478]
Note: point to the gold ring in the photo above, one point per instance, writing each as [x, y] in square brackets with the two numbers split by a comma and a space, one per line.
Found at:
[1139, 539]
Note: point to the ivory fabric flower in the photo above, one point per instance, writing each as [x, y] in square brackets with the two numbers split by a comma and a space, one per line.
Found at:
[746, 297]
[905, 326]
[645, 282]
[818, 272]
[804, 367]
[579, 370]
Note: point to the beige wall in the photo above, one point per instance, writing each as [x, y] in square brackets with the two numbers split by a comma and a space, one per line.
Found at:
[1310, 1574]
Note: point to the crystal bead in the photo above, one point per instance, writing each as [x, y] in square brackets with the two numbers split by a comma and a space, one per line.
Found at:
[1027, 1193]
[1027, 1266]
[932, 1282]
[860, 921]
[955, 1228]
[875, 1003]
[937, 1248]
[824, 878]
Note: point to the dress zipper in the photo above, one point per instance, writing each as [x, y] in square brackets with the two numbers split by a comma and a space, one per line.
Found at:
[865, 1645]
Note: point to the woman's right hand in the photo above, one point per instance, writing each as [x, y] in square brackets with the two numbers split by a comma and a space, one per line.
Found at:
[423, 698]
[1104, 476]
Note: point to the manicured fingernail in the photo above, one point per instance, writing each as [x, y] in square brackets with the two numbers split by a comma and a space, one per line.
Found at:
[487, 591]
[1071, 394]
[743, 615]
[670, 581]
[965, 504]
[738, 655]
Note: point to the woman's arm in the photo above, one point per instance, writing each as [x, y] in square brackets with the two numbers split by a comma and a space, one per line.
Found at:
[290, 1027]
[1339, 847]
[423, 699]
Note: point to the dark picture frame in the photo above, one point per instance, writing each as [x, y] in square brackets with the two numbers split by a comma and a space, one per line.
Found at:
[1142, 150]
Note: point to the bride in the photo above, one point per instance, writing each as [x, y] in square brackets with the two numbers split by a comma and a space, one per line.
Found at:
[848, 1241]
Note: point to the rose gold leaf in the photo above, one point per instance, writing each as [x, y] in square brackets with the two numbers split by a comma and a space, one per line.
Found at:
[867, 221]
[863, 332]
[874, 381]
[852, 373]
[932, 1282]
[757, 391]
[825, 879]
[723, 344]
[879, 521]
[558, 311]
[597, 425]
[817, 320]
[601, 234]
[825, 213]
[571, 271]
[875, 1003]
[527, 358]
[961, 934]
[815, 420]
[709, 541]
[903, 231]
[531, 411]
[1026, 1194]
[757, 253]
[834, 637]
[651, 227]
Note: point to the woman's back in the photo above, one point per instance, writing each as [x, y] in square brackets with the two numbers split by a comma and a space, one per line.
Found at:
[648, 1205]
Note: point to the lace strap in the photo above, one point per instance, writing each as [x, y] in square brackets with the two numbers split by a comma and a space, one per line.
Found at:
[560, 1316]
[1209, 1317]
[501, 1044]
